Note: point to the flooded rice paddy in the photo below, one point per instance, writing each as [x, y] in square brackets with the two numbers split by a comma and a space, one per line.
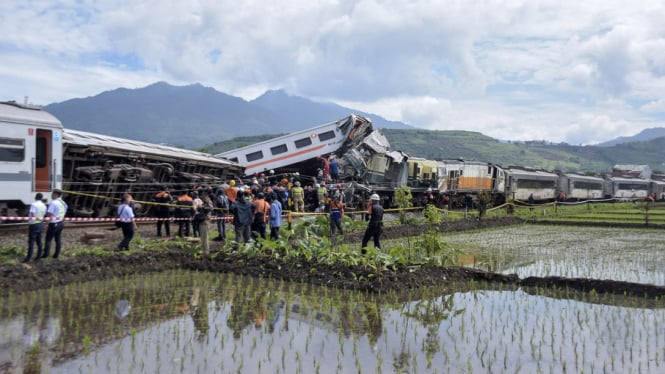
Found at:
[630, 255]
[188, 322]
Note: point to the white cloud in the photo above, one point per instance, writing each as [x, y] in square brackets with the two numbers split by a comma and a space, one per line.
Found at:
[573, 71]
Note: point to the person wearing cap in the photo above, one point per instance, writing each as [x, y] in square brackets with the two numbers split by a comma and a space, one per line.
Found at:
[375, 225]
[232, 191]
[429, 198]
[35, 227]
[298, 196]
[56, 213]
[261, 215]
[243, 216]
[272, 178]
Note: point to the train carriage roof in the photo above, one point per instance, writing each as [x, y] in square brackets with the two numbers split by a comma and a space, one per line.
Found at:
[11, 111]
[531, 174]
[88, 139]
[630, 180]
[580, 177]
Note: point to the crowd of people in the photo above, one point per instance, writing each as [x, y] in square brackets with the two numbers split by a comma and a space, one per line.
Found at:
[256, 209]
[256, 206]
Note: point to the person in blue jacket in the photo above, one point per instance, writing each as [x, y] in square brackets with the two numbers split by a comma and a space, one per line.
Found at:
[275, 216]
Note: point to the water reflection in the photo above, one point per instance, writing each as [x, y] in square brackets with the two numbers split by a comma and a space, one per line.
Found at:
[199, 322]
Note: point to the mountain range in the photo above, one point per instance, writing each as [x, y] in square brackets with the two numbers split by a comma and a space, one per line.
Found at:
[202, 118]
[193, 116]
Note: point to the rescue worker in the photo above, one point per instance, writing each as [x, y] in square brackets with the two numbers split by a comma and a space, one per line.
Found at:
[375, 225]
[184, 214]
[35, 227]
[232, 191]
[298, 196]
[321, 194]
[261, 214]
[163, 211]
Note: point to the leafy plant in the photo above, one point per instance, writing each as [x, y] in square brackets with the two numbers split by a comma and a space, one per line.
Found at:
[403, 200]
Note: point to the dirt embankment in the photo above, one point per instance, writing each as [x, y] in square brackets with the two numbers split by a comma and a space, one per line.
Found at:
[44, 274]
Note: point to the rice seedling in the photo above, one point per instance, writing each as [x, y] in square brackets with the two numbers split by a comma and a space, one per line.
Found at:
[182, 321]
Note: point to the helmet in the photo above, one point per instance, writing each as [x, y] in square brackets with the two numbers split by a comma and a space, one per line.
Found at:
[429, 190]
[297, 184]
[374, 197]
[272, 171]
[232, 183]
[317, 185]
[297, 173]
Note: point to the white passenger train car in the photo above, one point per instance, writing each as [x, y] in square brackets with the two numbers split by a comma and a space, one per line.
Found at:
[581, 187]
[30, 156]
[291, 149]
[520, 183]
[628, 188]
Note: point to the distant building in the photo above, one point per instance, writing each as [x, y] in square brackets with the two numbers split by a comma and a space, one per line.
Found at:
[632, 171]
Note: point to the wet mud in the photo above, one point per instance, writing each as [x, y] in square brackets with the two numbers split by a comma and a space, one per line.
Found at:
[50, 273]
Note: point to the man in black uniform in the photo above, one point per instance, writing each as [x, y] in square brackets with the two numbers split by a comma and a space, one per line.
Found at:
[375, 225]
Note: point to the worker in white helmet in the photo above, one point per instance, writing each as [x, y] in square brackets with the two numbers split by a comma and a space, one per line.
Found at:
[375, 225]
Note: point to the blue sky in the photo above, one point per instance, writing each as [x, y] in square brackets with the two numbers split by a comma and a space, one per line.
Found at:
[581, 72]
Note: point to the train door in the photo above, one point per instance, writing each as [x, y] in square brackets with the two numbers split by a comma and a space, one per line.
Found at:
[42, 162]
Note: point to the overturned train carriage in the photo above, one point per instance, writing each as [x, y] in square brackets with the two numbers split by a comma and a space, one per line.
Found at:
[98, 165]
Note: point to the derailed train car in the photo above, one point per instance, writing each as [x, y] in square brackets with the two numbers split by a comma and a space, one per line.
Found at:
[37, 154]
[100, 165]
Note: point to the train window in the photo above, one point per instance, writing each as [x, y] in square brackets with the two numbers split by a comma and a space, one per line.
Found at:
[279, 149]
[40, 155]
[12, 150]
[326, 135]
[587, 185]
[254, 156]
[526, 183]
[633, 186]
[304, 142]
